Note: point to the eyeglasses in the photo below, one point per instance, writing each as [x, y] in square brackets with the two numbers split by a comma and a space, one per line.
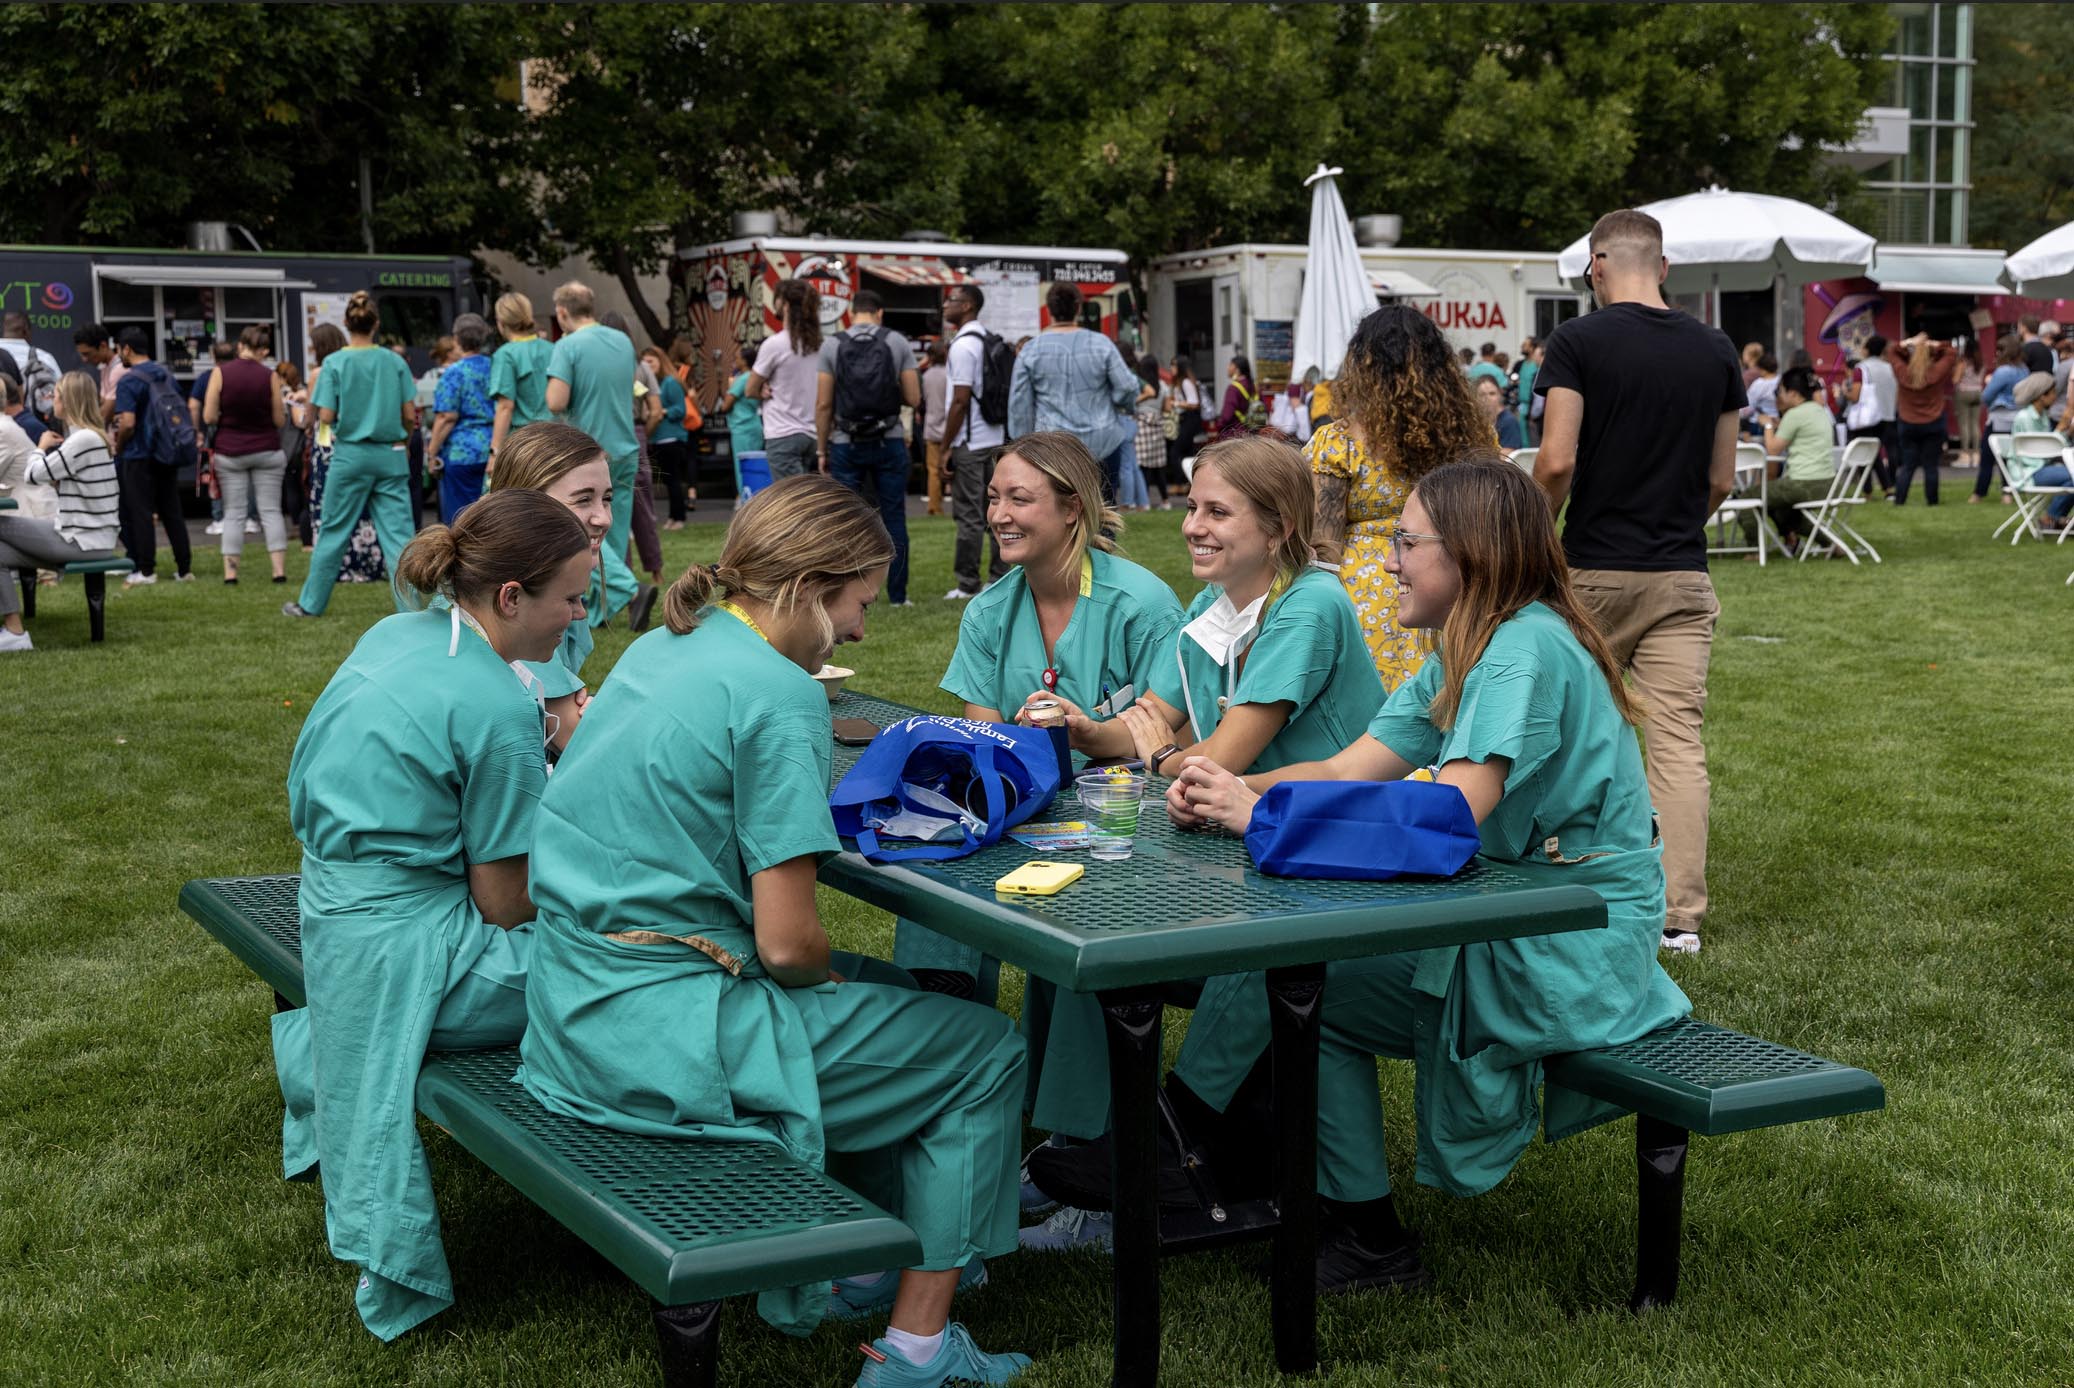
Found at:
[1402, 540]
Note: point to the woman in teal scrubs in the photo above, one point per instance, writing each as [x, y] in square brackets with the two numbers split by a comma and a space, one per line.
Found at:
[1523, 711]
[412, 791]
[567, 464]
[1258, 676]
[682, 984]
[366, 396]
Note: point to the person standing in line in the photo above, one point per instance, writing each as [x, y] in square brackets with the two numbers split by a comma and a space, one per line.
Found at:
[1999, 404]
[1523, 384]
[38, 368]
[744, 411]
[295, 437]
[866, 375]
[1151, 439]
[1486, 364]
[669, 442]
[1491, 399]
[366, 396]
[786, 378]
[1966, 411]
[648, 412]
[2037, 352]
[463, 416]
[590, 384]
[1874, 408]
[220, 351]
[363, 561]
[1187, 396]
[1639, 437]
[974, 442]
[1925, 372]
[81, 472]
[518, 373]
[934, 400]
[1072, 380]
[1243, 412]
[243, 405]
[1751, 352]
[1762, 391]
[147, 485]
[96, 348]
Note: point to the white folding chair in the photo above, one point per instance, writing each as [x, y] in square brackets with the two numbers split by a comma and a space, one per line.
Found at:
[1525, 458]
[1829, 516]
[1751, 491]
[2017, 458]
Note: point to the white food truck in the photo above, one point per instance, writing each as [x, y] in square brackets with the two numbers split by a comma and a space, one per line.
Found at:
[1243, 298]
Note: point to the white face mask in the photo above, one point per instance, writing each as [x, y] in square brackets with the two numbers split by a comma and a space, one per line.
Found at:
[537, 691]
[1225, 631]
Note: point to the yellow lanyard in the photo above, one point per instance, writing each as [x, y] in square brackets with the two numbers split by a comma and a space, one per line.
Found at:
[744, 618]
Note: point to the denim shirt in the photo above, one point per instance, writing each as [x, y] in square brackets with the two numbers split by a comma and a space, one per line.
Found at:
[1075, 382]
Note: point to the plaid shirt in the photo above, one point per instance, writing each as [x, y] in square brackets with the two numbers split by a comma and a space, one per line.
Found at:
[1077, 382]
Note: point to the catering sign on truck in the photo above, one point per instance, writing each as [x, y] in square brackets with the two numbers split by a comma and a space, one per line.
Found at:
[1243, 299]
[731, 289]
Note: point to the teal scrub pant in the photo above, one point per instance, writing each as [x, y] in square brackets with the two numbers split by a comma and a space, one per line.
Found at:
[362, 475]
[920, 1107]
[1368, 1013]
[1069, 1045]
[618, 575]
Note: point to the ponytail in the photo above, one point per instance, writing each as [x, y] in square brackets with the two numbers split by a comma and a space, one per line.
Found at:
[361, 315]
[792, 544]
[801, 303]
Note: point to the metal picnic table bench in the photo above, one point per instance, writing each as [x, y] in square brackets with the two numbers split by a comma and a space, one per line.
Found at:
[693, 1223]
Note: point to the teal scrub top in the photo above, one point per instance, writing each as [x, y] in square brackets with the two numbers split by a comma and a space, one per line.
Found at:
[518, 373]
[1575, 810]
[1309, 652]
[368, 388]
[598, 364]
[671, 429]
[415, 759]
[744, 418]
[1122, 625]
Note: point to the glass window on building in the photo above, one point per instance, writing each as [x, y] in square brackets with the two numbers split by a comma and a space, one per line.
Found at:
[1922, 196]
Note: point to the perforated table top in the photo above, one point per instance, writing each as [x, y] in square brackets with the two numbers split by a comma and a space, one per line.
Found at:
[1188, 904]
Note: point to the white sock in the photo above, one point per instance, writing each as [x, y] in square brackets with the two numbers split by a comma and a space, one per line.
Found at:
[915, 1349]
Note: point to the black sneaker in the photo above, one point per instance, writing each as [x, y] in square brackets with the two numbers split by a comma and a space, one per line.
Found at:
[1345, 1264]
[641, 606]
[1079, 1176]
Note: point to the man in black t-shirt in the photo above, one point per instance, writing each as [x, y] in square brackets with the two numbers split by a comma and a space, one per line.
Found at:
[2037, 351]
[1638, 435]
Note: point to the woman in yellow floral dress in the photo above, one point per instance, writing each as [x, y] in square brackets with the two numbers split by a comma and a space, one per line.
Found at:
[1404, 408]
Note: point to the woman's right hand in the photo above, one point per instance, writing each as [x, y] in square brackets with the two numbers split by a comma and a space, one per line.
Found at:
[1149, 730]
[1214, 794]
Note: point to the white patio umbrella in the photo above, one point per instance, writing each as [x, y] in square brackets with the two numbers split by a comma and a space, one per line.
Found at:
[2045, 268]
[1719, 240]
[1336, 291]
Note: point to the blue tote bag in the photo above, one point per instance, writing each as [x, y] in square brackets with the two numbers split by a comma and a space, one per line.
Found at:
[1371, 831]
[945, 787]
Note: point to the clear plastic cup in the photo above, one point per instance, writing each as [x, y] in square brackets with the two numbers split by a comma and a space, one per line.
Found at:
[1112, 799]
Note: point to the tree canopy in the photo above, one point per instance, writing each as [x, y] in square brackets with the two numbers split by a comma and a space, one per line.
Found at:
[2023, 138]
[1154, 128]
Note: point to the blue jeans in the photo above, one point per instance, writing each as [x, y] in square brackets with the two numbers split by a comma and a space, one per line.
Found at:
[883, 463]
[1125, 455]
[2055, 475]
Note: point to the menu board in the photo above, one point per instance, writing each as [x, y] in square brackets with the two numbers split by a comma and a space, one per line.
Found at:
[320, 308]
[1274, 346]
[1011, 310]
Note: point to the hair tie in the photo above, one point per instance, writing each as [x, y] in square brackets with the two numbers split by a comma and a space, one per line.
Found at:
[714, 570]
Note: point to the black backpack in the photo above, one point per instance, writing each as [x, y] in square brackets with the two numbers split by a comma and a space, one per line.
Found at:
[867, 387]
[997, 367]
[167, 426]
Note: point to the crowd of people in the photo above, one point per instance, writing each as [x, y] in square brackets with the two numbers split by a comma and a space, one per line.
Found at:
[517, 861]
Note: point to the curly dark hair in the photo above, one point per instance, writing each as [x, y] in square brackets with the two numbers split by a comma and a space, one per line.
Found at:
[1404, 392]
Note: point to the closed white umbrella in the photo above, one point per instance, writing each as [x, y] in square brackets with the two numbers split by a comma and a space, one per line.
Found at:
[1720, 240]
[2045, 268]
[1336, 291]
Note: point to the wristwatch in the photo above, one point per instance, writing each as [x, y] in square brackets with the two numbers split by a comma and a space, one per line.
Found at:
[1152, 762]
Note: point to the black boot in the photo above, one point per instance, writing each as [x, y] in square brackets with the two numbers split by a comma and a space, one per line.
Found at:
[1081, 1176]
[1362, 1245]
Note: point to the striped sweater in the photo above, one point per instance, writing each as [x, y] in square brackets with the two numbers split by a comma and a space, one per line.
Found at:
[83, 473]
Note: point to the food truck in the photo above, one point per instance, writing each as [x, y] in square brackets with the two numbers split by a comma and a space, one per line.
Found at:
[730, 289]
[1950, 292]
[1243, 298]
[190, 299]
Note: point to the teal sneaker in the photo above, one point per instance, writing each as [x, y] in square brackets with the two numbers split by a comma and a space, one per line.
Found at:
[850, 1299]
[1071, 1228]
[959, 1363]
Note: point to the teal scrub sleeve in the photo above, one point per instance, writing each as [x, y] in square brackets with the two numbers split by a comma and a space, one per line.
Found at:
[1499, 716]
[406, 384]
[326, 397]
[556, 678]
[976, 661]
[1404, 725]
[781, 792]
[1150, 635]
[1292, 660]
[499, 791]
[503, 380]
[1165, 679]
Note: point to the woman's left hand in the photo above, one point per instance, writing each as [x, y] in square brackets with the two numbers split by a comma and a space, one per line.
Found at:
[1214, 794]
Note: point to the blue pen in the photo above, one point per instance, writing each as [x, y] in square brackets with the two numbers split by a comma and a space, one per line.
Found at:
[1105, 698]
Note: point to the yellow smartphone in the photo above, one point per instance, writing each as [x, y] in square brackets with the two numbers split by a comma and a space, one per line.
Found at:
[1039, 879]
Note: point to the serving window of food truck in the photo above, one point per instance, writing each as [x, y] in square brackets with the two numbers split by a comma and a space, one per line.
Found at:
[188, 308]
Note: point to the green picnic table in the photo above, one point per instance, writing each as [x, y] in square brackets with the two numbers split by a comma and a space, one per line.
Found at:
[1184, 906]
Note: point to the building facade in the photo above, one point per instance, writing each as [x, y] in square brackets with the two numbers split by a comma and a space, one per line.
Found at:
[1920, 191]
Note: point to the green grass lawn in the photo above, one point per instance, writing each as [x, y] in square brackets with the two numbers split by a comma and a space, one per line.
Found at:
[1889, 889]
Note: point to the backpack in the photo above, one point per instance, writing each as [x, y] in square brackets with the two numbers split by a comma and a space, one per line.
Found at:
[997, 367]
[867, 388]
[1253, 416]
[167, 427]
[40, 382]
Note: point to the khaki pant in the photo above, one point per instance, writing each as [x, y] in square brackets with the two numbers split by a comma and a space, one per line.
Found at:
[1661, 629]
[934, 454]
